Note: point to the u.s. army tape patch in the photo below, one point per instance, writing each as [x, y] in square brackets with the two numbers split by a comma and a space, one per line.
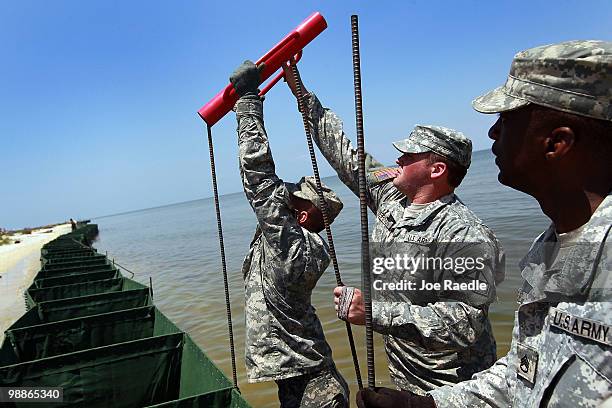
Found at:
[418, 238]
[578, 326]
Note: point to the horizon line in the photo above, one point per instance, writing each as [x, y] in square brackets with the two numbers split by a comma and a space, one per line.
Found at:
[202, 198]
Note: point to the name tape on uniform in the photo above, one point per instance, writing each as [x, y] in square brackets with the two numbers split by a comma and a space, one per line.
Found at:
[589, 329]
[418, 239]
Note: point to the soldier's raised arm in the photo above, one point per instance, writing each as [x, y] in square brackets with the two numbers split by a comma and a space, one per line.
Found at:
[328, 134]
[264, 190]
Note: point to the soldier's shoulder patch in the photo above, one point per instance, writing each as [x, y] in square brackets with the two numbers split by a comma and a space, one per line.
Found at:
[383, 174]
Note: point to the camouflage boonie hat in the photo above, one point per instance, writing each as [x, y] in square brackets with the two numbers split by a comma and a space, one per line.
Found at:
[306, 189]
[573, 76]
[446, 142]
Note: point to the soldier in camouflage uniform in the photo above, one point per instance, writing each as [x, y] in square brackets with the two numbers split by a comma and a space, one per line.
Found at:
[434, 337]
[284, 337]
[553, 140]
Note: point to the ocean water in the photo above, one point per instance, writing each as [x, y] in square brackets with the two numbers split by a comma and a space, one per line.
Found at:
[177, 247]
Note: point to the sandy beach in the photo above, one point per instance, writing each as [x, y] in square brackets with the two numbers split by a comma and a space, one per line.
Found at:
[19, 263]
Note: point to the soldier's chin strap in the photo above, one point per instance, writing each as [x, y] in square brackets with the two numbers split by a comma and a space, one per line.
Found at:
[324, 210]
[223, 262]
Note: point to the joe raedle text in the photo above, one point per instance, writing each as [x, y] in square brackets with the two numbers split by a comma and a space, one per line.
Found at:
[447, 284]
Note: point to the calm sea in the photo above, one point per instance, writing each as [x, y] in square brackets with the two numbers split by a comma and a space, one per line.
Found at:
[177, 247]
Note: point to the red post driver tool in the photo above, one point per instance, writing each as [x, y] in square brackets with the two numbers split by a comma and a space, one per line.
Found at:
[290, 46]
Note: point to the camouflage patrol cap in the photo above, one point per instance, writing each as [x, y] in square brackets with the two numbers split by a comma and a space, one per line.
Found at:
[446, 142]
[306, 189]
[573, 76]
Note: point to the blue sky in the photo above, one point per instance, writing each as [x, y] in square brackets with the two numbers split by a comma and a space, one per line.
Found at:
[98, 98]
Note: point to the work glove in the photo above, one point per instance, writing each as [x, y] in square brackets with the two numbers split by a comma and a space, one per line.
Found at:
[381, 397]
[246, 78]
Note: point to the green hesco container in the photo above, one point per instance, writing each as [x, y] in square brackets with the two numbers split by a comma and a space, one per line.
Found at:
[68, 336]
[36, 295]
[56, 310]
[73, 271]
[76, 262]
[216, 399]
[63, 256]
[96, 334]
[71, 279]
[140, 373]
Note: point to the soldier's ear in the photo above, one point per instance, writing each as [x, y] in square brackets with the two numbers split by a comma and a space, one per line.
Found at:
[559, 142]
[438, 169]
[302, 216]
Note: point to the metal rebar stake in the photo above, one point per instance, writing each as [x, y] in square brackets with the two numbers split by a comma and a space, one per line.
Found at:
[325, 213]
[223, 262]
[365, 243]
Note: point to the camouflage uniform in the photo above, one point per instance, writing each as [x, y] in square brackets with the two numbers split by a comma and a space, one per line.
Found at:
[322, 389]
[431, 338]
[548, 365]
[284, 337]
[561, 351]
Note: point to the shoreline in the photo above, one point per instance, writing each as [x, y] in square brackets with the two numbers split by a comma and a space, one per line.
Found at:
[19, 263]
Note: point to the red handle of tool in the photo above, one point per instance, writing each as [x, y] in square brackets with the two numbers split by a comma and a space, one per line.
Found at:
[277, 78]
[289, 46]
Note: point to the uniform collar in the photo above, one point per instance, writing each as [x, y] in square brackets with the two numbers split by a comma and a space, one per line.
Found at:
[575, 276]
[427, 213]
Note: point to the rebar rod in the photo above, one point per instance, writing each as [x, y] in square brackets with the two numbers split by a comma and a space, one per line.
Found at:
[223, 262]
[325, 212]
[363, 208]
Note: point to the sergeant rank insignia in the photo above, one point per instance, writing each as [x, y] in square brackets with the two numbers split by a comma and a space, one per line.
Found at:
[527, 362]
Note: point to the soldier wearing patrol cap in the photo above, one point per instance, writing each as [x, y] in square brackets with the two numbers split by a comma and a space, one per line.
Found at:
[432, 337]
[284, 337]
[553, 141]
